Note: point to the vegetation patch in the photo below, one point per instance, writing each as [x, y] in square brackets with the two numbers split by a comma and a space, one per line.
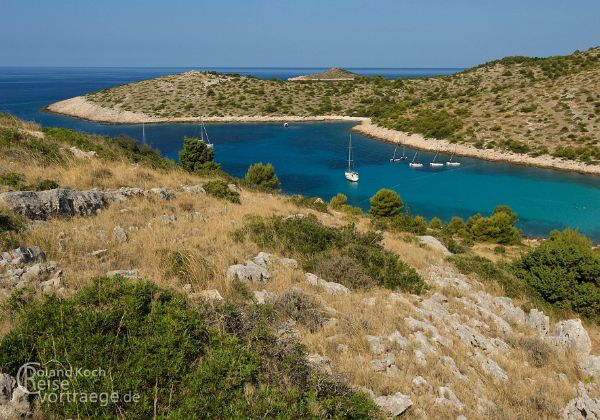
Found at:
[152, 343]
[220, 189]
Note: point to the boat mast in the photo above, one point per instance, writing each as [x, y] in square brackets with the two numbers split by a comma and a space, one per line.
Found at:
[414, 157]
[350, 154]
[143, 134]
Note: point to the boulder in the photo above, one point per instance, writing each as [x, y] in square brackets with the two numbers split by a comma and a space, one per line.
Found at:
[570, 335]
[262, 296]
[130, 274]
[99, 253]
[591, 366]
[582, 407]
[80, 154]
[421, 386]
[163, 193]
[397, 338]
[210, 294]
[448, 397]
[381, 365]
[119, 234]
[250, 271]
[263, 259]
[376, 344]
[289, 263]
[492, 369]
[538, 321]
[434, 243]
[124, 194]
[394, 405]
[58, 202]
[194, 189]
[328, 286]
[234, 188]
[7, 385]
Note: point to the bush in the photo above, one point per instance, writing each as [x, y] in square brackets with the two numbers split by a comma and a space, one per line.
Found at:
[564, 270]
[150, 342]
[11, 179]
[386, 203]
[220, 189]
[338, 201]
[499, 227]
[313, 242]
[196, 155]
[407, 223]
[314, 203]
[10, 228]
[341, 268]
[263, 177]
[300, 307]
[435, 223]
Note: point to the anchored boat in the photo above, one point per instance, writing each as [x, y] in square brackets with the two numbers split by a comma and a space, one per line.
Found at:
[203, 133]
[452, 162]
[350, 174]
[413, 163]
[435, 164]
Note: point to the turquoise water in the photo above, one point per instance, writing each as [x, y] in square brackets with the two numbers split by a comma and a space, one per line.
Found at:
[309, 157]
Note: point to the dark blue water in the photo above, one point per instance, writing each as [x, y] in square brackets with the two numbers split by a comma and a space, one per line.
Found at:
[309, 157]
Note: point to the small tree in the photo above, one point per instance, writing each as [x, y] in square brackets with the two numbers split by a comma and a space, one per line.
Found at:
[263, 176]
[386, 203]
[435, 223]
[338, 201]
[196, 155]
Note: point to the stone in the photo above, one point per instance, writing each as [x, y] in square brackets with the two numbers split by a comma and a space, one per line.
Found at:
[210, 294]
[394, 405]
[234, 188]
[163, 193]
[24, 255]
[448, 397]
[538, 321]
[262, 296]
[263, 259]
[570, 335]
[58, 202]
[450, 364]
[369, 301]
[434, 243]
[51, 284]
[168, 219]
[194, 189]
[342, 348]
[125, 193]
[492, 369]
[399, 298]
[289, 263]
[509, 311]
[397, 338]
[381, 365]
[119, 234]
[99, 253]
[194, 216]
[7, 385]
[329, 287]
[320, 362]
[80, 154]
[130, 274]
[420, 358]
[376, 344]
[20, 401]
[250, 271]
[582, 407]
[591, 366]
[420, 386]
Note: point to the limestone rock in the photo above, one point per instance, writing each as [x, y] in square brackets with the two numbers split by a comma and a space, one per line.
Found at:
[320, 362]
[448, 397]
[119, 234]
[538, 321]
[492, 368]
[591, 366]
[130, 274]
[289, 263]
[381, 365]
[7, 385]
[583, 407]
[450, 364]
[394, 405]
[124, 194]
[163, 193]
[210, 294]
[194, 189]
[397, 338]
[250, 271]
[434, 243]
[80, 154]
[420, 357]
[329, 287]
[262, 296]
[421, 386]
[234, 188]
[58, 202]
[570, 335]
[376, 344]
[369, 301]
[263, 259]
[168, 219]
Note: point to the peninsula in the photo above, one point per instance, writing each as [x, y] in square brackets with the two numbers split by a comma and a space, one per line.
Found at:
[535, 111]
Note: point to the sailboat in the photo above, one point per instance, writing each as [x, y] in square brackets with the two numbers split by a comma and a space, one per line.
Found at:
[143, 134]
[394, 158]
[350, 174]
[203, 132]
[403, 157]
[414, 164]
[435, 164]
[452, 162]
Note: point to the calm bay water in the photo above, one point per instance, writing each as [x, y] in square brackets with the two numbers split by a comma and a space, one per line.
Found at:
[309, 157]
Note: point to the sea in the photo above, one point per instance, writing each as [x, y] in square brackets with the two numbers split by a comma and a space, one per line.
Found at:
[310, 157]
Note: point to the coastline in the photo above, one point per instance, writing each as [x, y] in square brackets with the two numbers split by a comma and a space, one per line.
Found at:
[79, 107]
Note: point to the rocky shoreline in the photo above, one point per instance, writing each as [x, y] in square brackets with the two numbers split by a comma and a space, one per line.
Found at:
[79, 107]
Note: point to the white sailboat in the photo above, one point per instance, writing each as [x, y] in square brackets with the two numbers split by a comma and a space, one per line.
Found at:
[414, 164]
[394, 158]
[350, 173]
[435, 164]
[203, 132]
[452, 162]
[403, 157]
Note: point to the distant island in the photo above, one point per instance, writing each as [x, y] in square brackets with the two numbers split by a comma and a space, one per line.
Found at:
[535, 111]
[333, 73]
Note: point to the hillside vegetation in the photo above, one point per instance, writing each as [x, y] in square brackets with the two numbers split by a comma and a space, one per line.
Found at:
[535, 106]
[210, 296]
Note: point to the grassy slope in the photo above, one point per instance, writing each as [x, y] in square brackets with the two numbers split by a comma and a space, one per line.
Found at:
[209, 248]
[524, 105]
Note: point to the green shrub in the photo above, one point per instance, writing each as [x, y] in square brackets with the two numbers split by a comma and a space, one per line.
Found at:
[150, 342]
[313, 242]
[338, 201]
[314, 203]
[10, 229]
[435, 223]
[407, 223]
[341, 268]
[263, 177]
[220, 189]
[300, 307]
[386, 203]
[565, 271]
[196, 155]
[499, 227]
[11, 179]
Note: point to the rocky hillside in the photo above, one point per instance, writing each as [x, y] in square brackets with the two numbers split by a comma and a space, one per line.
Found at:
[545, 106]
[273, 305]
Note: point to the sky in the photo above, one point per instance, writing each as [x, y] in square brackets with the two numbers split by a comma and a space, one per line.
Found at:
[287, 33]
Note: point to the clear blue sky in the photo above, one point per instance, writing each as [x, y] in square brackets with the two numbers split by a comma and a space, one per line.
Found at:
[351, 33]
